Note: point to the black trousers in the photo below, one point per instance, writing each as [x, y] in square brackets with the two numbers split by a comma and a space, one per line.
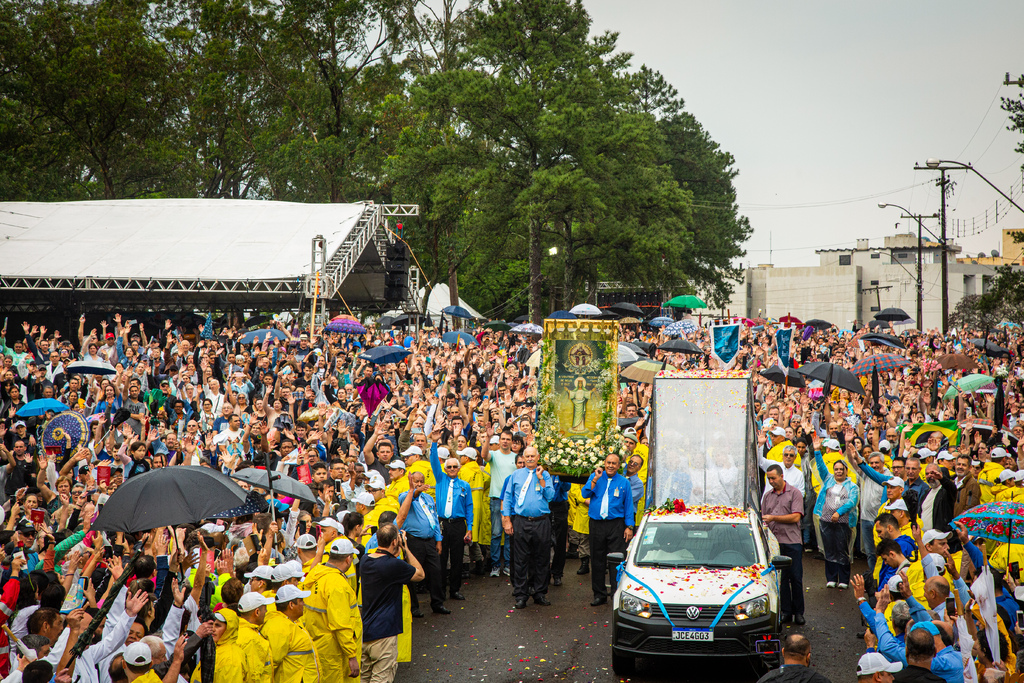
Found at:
[559, 535]
[791, 581]
[531, 538]
[453, 545]
[606, 536]
[425, 551]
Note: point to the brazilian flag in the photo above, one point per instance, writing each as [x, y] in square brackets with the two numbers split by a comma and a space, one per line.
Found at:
[918, 433]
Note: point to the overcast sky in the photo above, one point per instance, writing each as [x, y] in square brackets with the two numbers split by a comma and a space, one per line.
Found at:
[826, 102]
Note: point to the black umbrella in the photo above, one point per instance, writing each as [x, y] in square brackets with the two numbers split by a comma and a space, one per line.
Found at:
[647, 347]
[400, 321]
[625, 309]
[818, 324]
[991, 348]
[253, 504]
[892, 314]
[386, 321]
[522, 319]
[293, 488]
[636, 348]
[168, 496]
[680, 346]
[883, 339]
[775, 374]
[256, 321]
[832, 375]
[877, 325]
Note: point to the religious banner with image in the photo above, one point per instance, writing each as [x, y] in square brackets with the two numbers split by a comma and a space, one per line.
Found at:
[578, 395]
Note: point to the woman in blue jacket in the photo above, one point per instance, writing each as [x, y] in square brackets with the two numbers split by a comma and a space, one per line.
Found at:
[837, 508]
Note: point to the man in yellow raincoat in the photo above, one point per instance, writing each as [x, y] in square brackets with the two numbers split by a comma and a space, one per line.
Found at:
[332, 615]
[232, 665]
[252, 611]
[291, 648]
[474, 476]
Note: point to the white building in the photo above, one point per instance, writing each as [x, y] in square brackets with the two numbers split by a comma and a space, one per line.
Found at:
[853, 284]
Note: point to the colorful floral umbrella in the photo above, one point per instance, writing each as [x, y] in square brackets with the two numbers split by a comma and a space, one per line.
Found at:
[527, 328]
[345, 325]
[660, 321]
[883, 362]
[1001, 521]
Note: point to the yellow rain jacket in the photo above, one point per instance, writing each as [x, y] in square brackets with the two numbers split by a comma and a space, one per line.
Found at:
[257, 652]
[581, 507]
[396, 488]
[291, 650]
[232, 665]
[474, 476]
[333, 622]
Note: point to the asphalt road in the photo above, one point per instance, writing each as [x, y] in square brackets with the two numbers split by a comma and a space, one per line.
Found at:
[486, 640]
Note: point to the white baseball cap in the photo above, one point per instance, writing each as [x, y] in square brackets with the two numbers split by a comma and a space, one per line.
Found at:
[895, 481]
[396, 465]
[289, 593]
[365, 499]
[630, 433]
[467, 452]
[832, 444]
[342, 546]
[138, 654]
[264, 571]
[874, 662]
[998, 453]
[331, 523]
[1007, 474]
[778, 431]
[938, 562]
[288, 570]
[375, 481]
[945, 455]
[884, 445]
[306, 542]
[252, 600]
[925, 452]
[934, 535]
[412, 450]
[893, 585]
[898, 504]
[495, 439]
[443, 452]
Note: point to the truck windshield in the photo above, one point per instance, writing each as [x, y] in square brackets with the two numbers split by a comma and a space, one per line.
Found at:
[696, 544]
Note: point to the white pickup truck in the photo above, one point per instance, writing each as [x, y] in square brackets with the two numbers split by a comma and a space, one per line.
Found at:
[696, 562]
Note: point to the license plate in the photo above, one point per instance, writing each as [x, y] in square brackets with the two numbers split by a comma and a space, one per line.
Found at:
[704, 635]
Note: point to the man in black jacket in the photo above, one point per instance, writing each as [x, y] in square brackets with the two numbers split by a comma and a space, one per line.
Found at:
[936, 506]
[796, 661]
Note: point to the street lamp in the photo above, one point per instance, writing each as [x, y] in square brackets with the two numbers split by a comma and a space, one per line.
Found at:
[920, 279]
[943, 165]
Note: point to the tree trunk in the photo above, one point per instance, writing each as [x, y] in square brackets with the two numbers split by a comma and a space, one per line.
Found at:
[453, 287]
[536, 314]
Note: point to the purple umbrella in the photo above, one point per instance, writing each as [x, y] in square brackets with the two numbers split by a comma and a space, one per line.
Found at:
[372, 393]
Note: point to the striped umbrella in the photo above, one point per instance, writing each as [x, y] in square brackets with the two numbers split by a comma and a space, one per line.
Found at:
[883, 362]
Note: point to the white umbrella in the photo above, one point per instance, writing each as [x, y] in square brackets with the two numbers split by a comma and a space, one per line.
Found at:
[534, 360]
[627, 355]
[90, 367]
[585, 309]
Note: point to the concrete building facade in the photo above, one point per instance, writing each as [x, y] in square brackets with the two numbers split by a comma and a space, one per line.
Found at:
[851, 285]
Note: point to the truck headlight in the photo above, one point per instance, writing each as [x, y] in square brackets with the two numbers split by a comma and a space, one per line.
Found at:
[631, 604]
[757, 607]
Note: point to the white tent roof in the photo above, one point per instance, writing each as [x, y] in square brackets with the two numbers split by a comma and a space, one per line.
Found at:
[440, 298]
[207, 239]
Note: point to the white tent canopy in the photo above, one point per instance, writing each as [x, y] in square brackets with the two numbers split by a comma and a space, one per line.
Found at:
[205, 239]
[439, 299]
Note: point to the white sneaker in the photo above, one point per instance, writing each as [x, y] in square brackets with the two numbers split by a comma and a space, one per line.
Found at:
[495, 572]
[843, 586]
[507, 571]
[830, 584]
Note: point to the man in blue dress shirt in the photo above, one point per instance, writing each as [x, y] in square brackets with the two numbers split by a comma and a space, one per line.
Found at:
[417, 516]
[455, 511]
[611, 522]
[526, 518]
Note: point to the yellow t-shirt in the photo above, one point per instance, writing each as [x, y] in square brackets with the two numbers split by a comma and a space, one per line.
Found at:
[829, 459]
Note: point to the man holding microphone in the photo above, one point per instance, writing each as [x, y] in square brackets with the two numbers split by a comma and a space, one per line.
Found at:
[611, 521]
[526, 517]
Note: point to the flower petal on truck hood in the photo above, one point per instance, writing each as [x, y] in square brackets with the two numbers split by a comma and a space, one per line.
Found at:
[698, 585]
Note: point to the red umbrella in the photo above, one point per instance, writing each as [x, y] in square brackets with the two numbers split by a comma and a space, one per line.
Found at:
[882, 362]
[790, 319]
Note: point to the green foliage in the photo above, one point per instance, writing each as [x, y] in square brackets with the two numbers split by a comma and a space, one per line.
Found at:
[511, 126]
[1004, 301]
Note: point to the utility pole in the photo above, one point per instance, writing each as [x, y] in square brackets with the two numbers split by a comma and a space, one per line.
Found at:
[1016, 81]
[945, 257]
[920, 276]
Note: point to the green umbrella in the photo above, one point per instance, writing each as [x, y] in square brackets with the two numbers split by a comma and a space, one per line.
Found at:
[498, 325]
[645, 370]
[970, 384]
[686, 301]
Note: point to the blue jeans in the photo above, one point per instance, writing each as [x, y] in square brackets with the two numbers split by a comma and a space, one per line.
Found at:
[496, 534]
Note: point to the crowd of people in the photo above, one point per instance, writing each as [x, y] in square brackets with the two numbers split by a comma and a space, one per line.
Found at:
[424, 475]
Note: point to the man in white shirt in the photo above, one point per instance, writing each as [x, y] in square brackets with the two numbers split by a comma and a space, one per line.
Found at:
[791, 474]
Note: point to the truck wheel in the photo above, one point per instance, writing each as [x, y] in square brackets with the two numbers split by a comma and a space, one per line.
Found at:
[623, 665]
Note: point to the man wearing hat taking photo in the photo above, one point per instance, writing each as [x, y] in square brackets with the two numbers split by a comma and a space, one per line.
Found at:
[332, 614]
[252, 612]
[291, 647]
